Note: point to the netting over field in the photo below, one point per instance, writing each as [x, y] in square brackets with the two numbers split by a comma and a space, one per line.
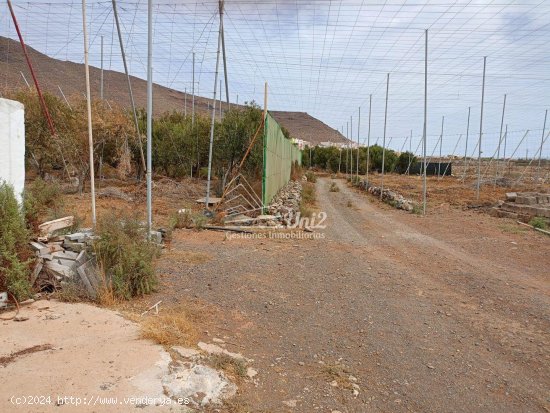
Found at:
[279, 156]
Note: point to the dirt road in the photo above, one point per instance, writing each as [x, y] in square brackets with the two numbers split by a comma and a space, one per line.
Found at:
[388, 312]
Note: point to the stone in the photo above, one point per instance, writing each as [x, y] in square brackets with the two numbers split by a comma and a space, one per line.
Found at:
[186, 353]
[201, 385]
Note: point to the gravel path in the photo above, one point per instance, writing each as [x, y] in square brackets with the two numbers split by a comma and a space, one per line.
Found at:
[388, 312]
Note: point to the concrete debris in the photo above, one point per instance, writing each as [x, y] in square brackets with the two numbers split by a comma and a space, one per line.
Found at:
[65, 259]
[523, 206]
[201, 385]
[3, 300]
[389, 197]
[286, 204]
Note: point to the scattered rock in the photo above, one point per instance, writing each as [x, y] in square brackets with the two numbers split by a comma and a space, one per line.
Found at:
[290, 403]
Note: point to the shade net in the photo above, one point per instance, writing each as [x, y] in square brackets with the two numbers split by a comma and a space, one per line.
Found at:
[280, 154]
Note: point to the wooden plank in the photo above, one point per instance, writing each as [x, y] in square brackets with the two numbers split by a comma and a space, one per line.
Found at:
[57, 224]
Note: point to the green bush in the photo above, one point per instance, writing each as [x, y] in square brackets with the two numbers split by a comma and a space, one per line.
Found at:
[539, 222]
[41, 197]
[126, 257]
[311, 177]
[14, 238]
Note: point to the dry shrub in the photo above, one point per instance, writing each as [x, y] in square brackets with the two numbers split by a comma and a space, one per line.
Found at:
[230, 365]
[172, 326]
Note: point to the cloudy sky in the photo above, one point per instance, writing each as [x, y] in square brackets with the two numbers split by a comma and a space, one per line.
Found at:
[326, 57]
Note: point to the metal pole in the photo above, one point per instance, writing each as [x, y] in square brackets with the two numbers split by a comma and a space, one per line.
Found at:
[499, 141]
[466, 146]
[358, 133]
[89, 108]
[130, 92]
[542, 139]
[410, 152]
[149, 114]
[505, 140]
[480, 130]
[101, 76]
[63, 94]
[193, 94]
[351, 147]
[384, 141]
[220, 100]
[207, 200]
[224, 58]
[368, 139]
[347, 146]
[440, 147]
[424, 133]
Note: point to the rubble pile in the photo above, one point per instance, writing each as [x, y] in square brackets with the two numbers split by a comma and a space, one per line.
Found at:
[286, 204]
[65, 259]
[523, 206]
[388, 196]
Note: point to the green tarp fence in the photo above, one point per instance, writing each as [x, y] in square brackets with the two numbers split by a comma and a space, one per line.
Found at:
[279, 156]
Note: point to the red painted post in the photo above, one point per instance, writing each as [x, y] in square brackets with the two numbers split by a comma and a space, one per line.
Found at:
[42, 101]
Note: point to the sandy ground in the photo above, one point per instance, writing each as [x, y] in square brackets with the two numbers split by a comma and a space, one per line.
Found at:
[388, 311]
[78, 358]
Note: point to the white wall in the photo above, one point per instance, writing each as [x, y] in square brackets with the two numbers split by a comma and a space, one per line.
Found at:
[12, 144]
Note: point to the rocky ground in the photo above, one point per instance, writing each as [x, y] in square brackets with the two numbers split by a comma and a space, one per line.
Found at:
[387, 311]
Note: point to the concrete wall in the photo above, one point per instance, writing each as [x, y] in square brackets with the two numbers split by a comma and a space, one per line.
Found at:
[12, 144]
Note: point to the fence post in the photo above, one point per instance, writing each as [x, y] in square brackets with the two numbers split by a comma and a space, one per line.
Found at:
[499, 141]
[480, 130]
[384, 144]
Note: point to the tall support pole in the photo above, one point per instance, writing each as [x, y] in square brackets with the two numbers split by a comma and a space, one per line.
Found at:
[149, 115]
[480, 130]
[220, 100]
[505, 141]
[351, 146]
[347, 147]
[466, 145]
[101, 75]
[358, 137]
[130, 92]
[499, 141]
[384, 139]
[542, 140]
[410, 152]
[89, 107]
[368, 139]
[29, 64]
[440, 148]
[207, 200]
[193, 94]
[224, 58]
[424, 133]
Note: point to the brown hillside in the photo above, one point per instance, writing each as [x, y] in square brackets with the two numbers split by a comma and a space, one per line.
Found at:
[53, 73]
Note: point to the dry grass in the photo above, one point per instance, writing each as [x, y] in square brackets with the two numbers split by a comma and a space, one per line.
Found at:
[172, 326]
[230, 365]
[339, 374]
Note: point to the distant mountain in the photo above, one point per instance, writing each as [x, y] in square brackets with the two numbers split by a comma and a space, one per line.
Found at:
[53, 74]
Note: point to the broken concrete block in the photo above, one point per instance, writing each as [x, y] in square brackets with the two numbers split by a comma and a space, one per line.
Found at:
[526, 199]
[36, 272]
[3, 299]
[66, 255]
[59, 270]
[155, 236]
[57, 224]
[511, 196]
[74, 246]
[39, 247]
[89, 277]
